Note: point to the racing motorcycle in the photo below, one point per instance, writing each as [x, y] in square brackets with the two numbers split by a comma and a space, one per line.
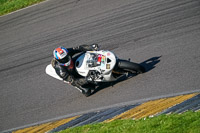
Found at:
[100, 66]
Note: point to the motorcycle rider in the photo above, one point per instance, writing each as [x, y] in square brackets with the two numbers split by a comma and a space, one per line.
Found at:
[63, 64]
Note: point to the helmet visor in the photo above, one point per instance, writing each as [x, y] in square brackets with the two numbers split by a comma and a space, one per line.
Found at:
[65, 61]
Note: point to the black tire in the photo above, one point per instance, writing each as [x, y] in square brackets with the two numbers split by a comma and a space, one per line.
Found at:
[130, 66]
[87, 93]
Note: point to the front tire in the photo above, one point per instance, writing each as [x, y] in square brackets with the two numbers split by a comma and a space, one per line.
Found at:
[87, 92]
[131, 66]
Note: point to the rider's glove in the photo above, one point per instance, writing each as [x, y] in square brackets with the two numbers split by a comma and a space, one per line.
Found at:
[92, 47]
[95, 47]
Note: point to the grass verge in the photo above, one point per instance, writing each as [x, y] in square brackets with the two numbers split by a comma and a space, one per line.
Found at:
[7, 6]
[188, 122]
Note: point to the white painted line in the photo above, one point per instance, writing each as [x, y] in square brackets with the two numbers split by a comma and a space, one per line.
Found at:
[102, 108]
[24, 8]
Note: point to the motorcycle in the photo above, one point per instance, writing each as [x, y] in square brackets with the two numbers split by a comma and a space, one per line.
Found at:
[99, 67]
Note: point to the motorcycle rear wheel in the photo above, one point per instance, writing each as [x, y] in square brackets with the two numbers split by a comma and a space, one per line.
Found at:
[130, 66]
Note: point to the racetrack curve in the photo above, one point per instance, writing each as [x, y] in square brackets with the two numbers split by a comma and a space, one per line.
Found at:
[164, 36]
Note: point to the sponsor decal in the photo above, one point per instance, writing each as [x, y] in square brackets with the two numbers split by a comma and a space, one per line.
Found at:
[108, 54]
[81, 72]
[107, 66]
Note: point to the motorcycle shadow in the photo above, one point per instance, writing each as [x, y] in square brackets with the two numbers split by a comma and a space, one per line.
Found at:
[148, 64]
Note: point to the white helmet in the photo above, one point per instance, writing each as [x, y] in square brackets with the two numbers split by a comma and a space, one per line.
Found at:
[61, 55]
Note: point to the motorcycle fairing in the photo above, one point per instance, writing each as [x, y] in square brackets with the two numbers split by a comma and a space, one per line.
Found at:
[101, 61]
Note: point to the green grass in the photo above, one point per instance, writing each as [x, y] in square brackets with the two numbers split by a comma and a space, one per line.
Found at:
[188, 122]
[7, 6]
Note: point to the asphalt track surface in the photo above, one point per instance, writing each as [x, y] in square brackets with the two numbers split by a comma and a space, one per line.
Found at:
[164, 36]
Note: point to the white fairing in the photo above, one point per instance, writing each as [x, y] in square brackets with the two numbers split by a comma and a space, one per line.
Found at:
[101, 61]
[51, 71]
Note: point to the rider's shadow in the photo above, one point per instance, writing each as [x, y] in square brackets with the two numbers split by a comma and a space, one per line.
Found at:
[147, 64]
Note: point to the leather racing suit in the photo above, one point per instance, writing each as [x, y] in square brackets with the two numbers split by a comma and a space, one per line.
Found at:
[68, 73]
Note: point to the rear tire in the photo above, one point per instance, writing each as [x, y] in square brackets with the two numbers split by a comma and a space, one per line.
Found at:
[130, 66]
